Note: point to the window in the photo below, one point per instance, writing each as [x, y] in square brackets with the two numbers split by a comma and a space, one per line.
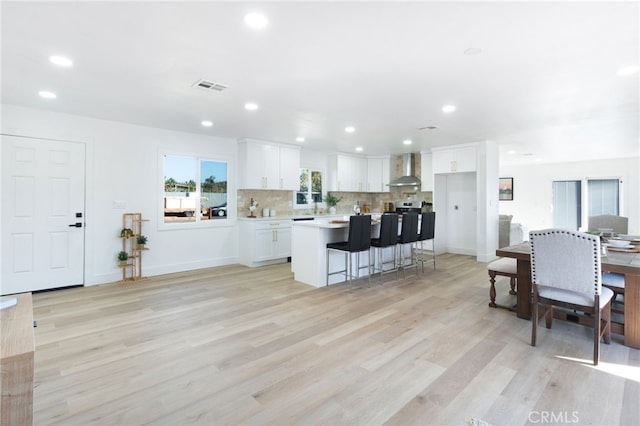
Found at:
[310, 190]
[576, 200]
[195, 189]
[567, 200]
[604, 196]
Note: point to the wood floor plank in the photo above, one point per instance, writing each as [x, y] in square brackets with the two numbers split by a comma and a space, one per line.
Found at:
[239, 345]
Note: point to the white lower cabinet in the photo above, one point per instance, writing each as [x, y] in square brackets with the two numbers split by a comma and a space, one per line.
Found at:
[264, 242]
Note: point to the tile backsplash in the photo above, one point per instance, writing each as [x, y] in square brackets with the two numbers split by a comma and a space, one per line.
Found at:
[282, 201]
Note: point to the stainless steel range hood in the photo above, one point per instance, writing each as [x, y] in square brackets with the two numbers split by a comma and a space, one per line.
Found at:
[408, 168]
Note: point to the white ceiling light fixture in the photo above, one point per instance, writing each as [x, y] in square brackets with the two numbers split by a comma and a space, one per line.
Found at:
[349, 129]
[207, 123]
[61, 61]
[512, 152]
[251, 106]
[628, 70]
[46, 94]
[299, 139]
[407, 141]
[256, 21]
[359, 149]
[448, 108]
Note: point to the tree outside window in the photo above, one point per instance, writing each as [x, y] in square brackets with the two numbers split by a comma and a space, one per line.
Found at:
[195, 189]
[310, 190]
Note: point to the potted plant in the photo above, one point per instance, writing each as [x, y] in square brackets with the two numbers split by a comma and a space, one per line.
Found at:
[123, 256]
[332, 201]
[126, 233]
[141, 240]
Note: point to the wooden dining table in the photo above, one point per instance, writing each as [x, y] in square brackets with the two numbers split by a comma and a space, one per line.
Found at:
[627, 263]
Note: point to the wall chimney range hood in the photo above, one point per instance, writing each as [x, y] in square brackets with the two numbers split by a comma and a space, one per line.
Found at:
[408, 168]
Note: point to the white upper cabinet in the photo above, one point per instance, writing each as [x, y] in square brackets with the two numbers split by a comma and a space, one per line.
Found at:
[454, 160]
[290, 167]
[378, 171]
[265, 165]
[426, 171]
[347, 173]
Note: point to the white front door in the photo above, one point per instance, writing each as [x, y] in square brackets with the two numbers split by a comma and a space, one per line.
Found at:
[43, 197]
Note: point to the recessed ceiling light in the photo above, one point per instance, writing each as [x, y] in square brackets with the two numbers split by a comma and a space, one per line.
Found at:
[349, 129]
[407, 142]
[60, 61]
[512, 152]
[628, 70]
[448, 108]
[359, 148]
[207, 123]
[299, 139]
[472, 51]
[47, 95]
[250, 106]
[256, 20]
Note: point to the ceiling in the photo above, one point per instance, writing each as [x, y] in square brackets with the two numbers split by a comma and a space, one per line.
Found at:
[543, 87]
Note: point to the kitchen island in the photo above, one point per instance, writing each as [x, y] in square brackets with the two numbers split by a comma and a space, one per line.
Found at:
[309, 250]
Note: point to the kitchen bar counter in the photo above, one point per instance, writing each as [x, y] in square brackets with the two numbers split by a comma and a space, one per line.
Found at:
[309, 250]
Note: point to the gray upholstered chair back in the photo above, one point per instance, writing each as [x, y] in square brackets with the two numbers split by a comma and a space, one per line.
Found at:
[504, 230]
[619, 224]
[566, 259]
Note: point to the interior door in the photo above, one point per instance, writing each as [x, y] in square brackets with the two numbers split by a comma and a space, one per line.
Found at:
[43, 198]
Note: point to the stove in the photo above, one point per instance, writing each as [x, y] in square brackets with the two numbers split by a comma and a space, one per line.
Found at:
[408, 206]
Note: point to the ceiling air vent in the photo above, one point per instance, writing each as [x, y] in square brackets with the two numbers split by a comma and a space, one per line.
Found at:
[428, 128]
[209, 85]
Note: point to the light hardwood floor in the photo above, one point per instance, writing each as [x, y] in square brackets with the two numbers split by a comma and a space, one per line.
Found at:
[234, 345]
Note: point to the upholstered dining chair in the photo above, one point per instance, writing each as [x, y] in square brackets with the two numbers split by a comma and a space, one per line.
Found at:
[619, 224]
[505, 267]
[408, 236]
[427, 233]
[388, 238]
[566, 272]
[359, 240]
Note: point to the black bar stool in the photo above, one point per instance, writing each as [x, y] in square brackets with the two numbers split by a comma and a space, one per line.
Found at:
[408, 235]
[427, 233]
[359, 241]
[388, 238]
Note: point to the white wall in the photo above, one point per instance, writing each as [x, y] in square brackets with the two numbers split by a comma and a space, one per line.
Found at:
[531, 205]
[123, 164]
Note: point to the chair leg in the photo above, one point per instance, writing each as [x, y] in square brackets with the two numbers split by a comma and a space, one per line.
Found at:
[492, 289]
[512, 282]
[597, 327]
[548, 315]
[606, 317]
[534, 316]
[369, 267]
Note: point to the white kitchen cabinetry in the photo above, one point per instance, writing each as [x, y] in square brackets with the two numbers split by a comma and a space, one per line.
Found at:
[454, 160]
[264, 242]
[347, 173]
[378, 171]
[266, 165]
[426, 171]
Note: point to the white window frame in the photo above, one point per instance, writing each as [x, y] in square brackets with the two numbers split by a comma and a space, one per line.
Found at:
[311, 204]
[231, 217]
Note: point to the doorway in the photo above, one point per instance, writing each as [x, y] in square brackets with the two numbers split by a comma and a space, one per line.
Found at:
[43, 208]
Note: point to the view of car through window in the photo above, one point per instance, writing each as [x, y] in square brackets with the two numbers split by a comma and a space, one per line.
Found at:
[193, 185]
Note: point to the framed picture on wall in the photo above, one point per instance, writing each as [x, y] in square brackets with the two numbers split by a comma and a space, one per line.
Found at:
[506, 189]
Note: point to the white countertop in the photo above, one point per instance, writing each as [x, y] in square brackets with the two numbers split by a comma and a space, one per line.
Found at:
[324, 217]
[326, 222]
